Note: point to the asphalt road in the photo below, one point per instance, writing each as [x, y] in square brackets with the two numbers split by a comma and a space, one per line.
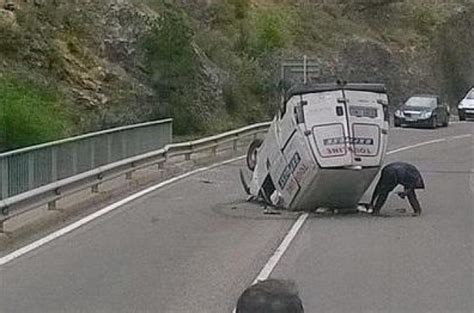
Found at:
[193, 246]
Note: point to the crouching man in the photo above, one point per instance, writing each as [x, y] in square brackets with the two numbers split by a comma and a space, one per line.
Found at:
[394, 174]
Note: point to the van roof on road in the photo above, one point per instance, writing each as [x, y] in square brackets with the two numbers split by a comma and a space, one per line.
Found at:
[312, 88]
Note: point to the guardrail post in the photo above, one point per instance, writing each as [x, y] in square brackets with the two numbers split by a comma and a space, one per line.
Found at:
[52, 205]
[4, 177]
[161, 165]
[187, 156]
[95, 188]
[4, 212]
[235, 144]
[214, 148]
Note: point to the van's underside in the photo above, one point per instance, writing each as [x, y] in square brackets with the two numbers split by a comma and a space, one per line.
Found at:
[338, 188]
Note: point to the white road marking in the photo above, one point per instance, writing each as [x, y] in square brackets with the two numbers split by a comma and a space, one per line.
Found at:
[424, 130]
[284, 245]
[462, 136]
[41, 242]
[280, 251]
[275, 258]
[471, 181]
[266, 271]
[428, 143]
[416, 145]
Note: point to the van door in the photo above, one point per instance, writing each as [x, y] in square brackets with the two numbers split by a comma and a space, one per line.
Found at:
[368, 126]
[326, 127]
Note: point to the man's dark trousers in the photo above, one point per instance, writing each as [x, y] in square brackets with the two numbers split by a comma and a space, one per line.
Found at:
[392, 175]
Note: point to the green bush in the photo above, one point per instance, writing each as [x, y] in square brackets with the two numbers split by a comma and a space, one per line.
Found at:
[169, 51]
[247, 95]
[173, 67]
[11, 41]
[241, 7]
[270, 30]
[425, 19]
[29, 114]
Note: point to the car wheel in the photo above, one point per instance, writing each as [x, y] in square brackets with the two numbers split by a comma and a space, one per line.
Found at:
[434, 122]
[462, 118]
[446, 123]
[252, 153]
[396, 123]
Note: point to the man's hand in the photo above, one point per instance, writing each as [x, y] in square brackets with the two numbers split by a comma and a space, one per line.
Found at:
[401, 194]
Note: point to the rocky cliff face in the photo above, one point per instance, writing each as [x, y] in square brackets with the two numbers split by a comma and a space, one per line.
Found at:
[88, 48]
[93, 51]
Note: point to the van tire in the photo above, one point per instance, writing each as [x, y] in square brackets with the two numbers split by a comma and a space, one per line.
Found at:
[252, 154]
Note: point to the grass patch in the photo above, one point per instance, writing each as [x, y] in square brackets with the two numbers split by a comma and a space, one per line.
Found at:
[29, 114]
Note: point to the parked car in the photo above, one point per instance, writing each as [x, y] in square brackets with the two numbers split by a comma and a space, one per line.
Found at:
[466, 106]
[422, 110]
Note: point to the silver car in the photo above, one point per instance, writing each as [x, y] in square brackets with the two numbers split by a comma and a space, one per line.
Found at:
[466, 106]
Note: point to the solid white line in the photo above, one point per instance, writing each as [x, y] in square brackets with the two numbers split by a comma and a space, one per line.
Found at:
[285, 244]
[428, 143]
[416, 145]
[462, 136]
[34, 245]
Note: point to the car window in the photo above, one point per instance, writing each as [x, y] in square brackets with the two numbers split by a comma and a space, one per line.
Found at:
[424, 102]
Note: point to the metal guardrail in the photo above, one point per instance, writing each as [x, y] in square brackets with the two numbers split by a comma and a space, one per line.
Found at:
[50, 193]
[30, 168]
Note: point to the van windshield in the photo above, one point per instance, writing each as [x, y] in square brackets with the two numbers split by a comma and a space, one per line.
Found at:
[424, 102]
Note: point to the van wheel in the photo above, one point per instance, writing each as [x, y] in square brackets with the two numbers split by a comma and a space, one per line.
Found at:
[252, 153]
[396, 122]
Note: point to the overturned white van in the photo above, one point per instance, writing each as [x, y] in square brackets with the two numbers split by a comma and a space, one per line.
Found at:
[323, 149]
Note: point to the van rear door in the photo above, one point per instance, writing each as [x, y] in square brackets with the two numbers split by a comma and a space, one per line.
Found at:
[367, 126]
[326, 127]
